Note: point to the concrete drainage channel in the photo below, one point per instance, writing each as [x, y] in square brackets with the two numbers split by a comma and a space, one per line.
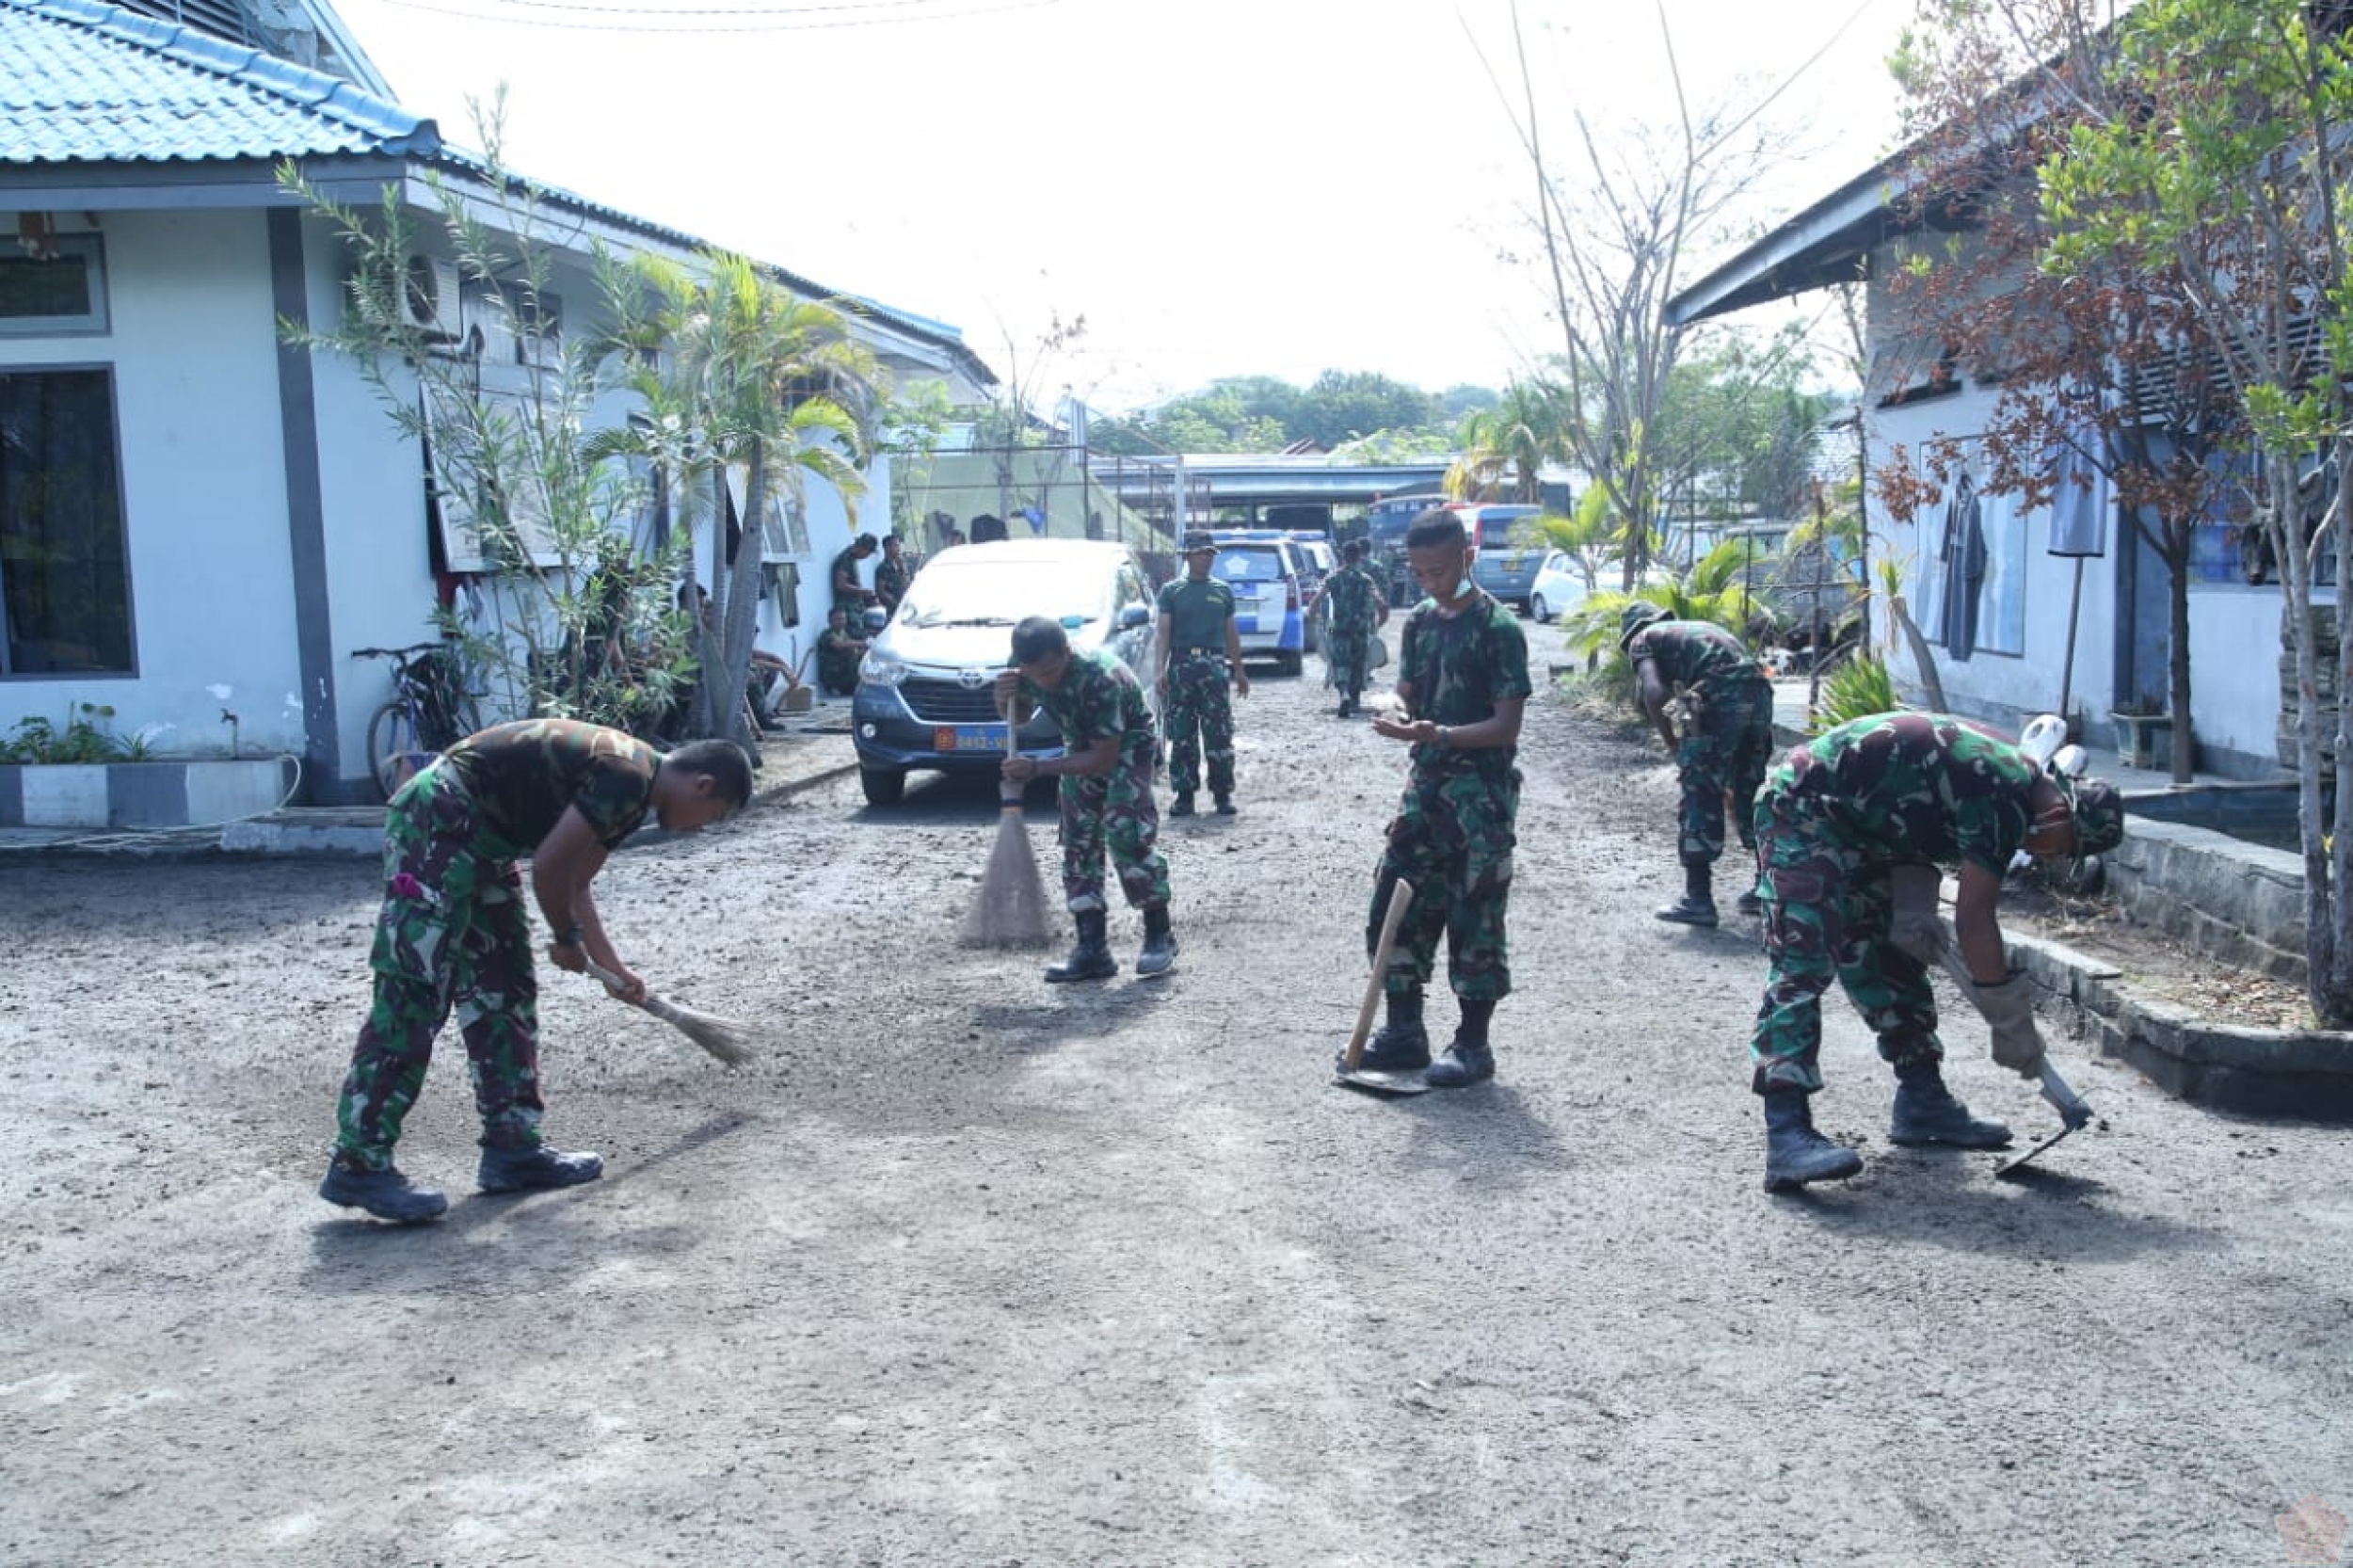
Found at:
[2237, 902]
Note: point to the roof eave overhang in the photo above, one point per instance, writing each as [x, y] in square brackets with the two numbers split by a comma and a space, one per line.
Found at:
[1828, 242]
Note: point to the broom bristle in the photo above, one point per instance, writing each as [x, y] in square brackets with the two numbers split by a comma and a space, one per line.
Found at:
[730, 1041]
[1010, 908]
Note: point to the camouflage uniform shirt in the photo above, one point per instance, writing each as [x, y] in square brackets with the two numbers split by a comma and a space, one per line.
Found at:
[1099, 697]
[523, 777]
[1458, 669]
[1694, 653]
[1354, 595]
[1906, 788]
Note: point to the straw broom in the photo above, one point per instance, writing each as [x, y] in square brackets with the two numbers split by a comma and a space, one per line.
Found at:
[730, 1041]
[1010, 910]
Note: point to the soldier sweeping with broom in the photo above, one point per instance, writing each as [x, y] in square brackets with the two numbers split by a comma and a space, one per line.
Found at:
[1109, 748]
[454, 931]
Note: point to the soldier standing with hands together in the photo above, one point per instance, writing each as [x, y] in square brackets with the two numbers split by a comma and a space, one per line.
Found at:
[1463, 678]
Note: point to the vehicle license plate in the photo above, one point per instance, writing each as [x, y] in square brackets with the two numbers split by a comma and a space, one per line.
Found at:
[969, 736]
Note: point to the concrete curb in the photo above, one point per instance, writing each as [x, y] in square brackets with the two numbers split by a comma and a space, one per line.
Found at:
[2305, 1074]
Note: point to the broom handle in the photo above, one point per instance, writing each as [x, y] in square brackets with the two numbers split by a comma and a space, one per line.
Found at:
[1009, 793]
[1401, 898]
[652, 1003]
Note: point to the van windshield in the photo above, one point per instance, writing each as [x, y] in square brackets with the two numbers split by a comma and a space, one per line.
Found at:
[966, 587]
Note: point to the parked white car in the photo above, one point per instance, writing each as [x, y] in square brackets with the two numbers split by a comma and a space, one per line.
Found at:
[1559, 588]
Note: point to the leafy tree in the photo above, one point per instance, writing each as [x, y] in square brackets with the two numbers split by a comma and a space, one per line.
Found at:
[2090, 355]
[2223, 167]
[1503, 449]
[1612, 242]
[549, 509]
[1347, 405]
[747, 376]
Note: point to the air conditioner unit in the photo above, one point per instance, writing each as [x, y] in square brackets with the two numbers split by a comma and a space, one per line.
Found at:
[431, 294]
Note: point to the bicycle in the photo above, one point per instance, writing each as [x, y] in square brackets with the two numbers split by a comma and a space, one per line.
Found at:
[428, 712]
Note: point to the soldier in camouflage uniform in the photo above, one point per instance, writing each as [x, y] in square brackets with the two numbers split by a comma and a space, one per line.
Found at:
[851, 596]
[1726, 740]
[1354, 610]
[892, 575]
[1200, 651]
[838, 650]
[1463, 678]
[1851, 828]
[454, 933]
[1106, 771]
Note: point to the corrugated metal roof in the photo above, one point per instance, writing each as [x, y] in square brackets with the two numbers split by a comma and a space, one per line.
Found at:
[82, 82]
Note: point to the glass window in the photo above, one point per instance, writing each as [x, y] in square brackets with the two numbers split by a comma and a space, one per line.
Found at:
[65, 584]
[63, 292]
[1247, 565]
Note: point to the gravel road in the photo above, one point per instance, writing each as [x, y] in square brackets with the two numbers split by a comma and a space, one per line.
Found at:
[972, 1270]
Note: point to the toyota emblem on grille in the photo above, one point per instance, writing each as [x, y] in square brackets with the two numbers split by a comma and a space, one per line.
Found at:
[972, 681]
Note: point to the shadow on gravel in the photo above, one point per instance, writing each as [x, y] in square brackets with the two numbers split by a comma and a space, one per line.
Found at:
[2048, 1213]
[1487, 1131]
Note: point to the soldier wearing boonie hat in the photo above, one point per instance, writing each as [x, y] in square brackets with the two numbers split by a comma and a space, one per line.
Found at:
[1200, 654]
[1726, 743]
[1852, 831]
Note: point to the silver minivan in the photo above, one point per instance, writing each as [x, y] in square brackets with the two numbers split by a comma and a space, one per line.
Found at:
[925, 697]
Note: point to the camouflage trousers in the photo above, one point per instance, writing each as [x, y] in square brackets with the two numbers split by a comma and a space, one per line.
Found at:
[1115, 810]
[1199, 717]
[1345, 655]
[1828, 912]
[1725, 749]
[1452, 838]
[454, 932]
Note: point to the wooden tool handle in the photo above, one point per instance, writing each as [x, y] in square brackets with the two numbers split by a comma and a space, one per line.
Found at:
[1401, 899]
[1008, 790]
[614, 983]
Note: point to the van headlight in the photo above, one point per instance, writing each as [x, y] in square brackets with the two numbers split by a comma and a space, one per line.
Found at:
[877, 670]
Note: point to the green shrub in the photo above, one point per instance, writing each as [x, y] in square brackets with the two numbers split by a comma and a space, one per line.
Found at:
[83, 740]
[1856, 688]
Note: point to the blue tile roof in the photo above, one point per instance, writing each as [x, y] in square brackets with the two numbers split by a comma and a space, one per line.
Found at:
[83, 82]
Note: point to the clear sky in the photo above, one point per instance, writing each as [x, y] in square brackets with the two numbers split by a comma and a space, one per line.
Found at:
[1219, 188]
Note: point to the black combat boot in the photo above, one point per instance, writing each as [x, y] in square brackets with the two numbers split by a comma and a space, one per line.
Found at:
[1401, 1045]
[1182, 805]
[1159, 955]
[1926, 1113]
[1092, 958]
[1469, 1059]
[1795, 1154]
[1697, 906]
[1224, 804]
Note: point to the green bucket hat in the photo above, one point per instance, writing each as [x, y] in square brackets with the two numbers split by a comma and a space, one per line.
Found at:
[2098, 810]
[1634, 616]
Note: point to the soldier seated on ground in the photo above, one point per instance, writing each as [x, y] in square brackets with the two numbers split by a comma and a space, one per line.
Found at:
[838, 652]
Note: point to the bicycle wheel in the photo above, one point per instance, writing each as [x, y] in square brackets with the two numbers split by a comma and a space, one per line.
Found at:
[394, 747]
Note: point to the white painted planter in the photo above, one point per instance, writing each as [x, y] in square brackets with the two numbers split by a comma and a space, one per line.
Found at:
[141, 794]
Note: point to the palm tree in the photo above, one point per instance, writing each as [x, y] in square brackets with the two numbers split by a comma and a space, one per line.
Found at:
[738, 373]
[1523, 431]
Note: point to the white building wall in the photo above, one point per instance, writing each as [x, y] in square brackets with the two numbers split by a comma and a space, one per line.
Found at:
[191, 347]
[194, 353]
